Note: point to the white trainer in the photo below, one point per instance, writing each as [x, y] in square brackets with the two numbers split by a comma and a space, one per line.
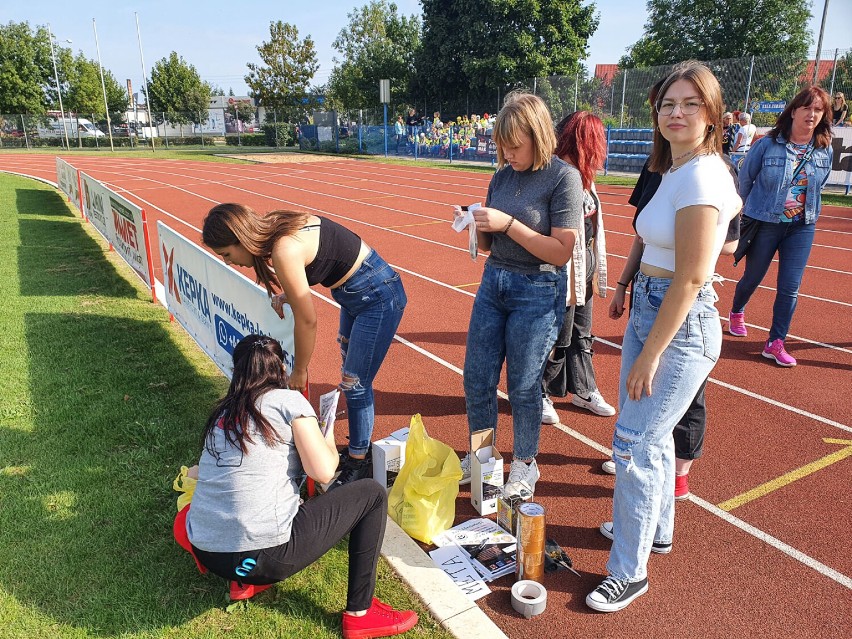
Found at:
[522, 479]
[608, 467]
[465, 466]
[595, 403]
[548, 412]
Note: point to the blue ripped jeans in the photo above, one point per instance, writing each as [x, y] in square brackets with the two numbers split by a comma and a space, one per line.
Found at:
[643, 447]
[371, 305]
[515, 318]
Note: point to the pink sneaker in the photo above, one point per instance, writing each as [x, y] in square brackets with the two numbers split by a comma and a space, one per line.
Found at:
[736, 324]
[775, 350]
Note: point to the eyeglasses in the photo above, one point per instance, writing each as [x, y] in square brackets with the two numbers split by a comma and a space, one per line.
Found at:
[690, 107]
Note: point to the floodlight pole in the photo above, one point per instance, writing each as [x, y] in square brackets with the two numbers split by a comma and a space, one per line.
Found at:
[819, 41]
[145, 80]
[58, 88]
[103, 87]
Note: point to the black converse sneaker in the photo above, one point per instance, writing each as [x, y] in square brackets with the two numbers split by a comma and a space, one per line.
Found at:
[614, 594]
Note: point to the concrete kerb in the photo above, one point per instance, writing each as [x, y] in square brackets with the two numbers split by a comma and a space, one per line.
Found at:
[455, 612]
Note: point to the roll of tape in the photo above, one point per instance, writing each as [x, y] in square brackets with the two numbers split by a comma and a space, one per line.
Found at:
[531, 540]
[529, 598]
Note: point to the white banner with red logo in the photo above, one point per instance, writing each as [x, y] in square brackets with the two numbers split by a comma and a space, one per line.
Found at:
[66, 178]
[217, 305]
[120, 222]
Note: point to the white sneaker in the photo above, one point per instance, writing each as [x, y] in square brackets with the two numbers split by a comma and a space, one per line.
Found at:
[596, 404]
[465, 466]
[548, 412]
[522, 479]
[608, 467]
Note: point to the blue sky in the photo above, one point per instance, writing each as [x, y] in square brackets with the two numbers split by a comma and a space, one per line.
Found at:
[219, 38]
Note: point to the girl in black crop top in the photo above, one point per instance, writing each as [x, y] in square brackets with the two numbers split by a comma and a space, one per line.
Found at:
[290, 252]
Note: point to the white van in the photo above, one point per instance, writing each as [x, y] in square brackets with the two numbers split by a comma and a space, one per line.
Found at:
[75, 126]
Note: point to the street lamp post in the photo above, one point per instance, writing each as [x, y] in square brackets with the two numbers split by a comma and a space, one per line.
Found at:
[50, 37]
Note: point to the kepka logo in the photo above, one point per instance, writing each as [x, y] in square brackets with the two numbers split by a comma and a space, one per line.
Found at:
[185, 289]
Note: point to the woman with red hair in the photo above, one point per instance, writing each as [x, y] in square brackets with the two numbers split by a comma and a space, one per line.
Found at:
[781, 181]
[582, 144]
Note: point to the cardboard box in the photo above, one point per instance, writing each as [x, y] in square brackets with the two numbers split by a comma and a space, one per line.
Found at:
[506, 510]
[389, 456]
[486, 472]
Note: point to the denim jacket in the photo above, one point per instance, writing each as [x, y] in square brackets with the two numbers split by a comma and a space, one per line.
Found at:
[765, 177]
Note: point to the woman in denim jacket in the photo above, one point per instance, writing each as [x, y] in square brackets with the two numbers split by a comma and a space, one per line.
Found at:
[781, 181]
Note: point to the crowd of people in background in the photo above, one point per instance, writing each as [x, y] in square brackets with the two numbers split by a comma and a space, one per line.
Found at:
[433, 137]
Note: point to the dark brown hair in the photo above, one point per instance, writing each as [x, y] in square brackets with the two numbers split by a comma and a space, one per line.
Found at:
[258, 369]
[806, 97]
[229, 224]
[709, 91]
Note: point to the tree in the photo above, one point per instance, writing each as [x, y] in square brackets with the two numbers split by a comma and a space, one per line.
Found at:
[85, 94]
[679, 30]
[378, 43]
[472, 49]
[176, 89]
[26, 69]
[289, 64]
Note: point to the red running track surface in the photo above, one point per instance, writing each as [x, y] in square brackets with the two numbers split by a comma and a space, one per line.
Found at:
[778, 565]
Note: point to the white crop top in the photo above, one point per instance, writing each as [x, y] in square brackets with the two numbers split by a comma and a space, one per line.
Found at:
[704, 180]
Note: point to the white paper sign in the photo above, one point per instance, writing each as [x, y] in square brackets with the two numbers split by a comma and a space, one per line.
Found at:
[328, 410]
[454, 562]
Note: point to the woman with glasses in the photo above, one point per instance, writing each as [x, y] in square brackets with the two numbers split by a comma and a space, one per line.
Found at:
[839, 110]
[673, 337]
[781, 182]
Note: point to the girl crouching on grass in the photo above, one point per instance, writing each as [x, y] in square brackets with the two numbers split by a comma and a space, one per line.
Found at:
[246, 521]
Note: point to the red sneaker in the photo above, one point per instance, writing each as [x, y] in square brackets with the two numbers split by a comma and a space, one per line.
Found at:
[238, 592]
[380, 621]
[681, 486]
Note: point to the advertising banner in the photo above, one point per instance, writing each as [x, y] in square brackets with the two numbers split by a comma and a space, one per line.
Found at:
[841, 166]
[66, 178]
[120, 222]
[217, 305]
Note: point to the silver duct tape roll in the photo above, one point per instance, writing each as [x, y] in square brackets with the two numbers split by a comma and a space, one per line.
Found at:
[529, 598]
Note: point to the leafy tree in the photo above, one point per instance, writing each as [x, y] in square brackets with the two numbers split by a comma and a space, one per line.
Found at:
[176, 89]
[679, 30]
[26, 69]
[475, 48]
[377, 43]
[85, 94]
[288, 66]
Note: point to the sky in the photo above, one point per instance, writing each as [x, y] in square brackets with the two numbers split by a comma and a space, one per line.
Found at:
[219, 38]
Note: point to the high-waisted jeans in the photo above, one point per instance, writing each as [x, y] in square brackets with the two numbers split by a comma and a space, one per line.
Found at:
[793, 244]
[643, 448]
[515, 318]
[371, 305]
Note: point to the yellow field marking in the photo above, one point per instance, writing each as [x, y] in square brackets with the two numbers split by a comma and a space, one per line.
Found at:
[466, 285]
[404, 226]
[792, 476]
[370, 199]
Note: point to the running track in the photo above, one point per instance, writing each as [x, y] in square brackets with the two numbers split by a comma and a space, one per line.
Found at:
[774, 561]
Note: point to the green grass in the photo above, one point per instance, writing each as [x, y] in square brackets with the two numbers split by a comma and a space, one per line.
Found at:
[103, 400]
[837, 199]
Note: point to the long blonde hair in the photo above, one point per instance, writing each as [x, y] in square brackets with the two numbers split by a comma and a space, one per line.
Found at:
[229, 224]
[525, 114]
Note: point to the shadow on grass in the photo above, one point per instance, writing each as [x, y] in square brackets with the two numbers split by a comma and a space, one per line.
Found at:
[41, 202]
[88, 506]
[58, 258]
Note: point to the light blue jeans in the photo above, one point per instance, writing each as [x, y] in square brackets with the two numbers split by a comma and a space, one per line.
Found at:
[371, 302]
[643, 447]
[515, 318]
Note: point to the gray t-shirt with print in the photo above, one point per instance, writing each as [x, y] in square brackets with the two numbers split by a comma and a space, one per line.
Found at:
[248, 502]
[543, 199]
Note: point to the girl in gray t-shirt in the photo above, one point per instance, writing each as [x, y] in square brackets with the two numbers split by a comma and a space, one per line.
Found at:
[246, 522]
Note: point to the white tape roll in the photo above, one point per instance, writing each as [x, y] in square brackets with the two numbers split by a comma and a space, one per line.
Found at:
[529, 598]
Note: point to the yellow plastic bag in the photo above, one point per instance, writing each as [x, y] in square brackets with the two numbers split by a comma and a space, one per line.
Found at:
[185, 485]
[423, 498]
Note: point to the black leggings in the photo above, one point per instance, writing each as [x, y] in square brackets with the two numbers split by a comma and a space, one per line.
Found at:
[358, 509]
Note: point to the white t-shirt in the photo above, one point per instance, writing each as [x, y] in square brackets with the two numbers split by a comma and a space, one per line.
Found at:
[744, 137]
[704, 180]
